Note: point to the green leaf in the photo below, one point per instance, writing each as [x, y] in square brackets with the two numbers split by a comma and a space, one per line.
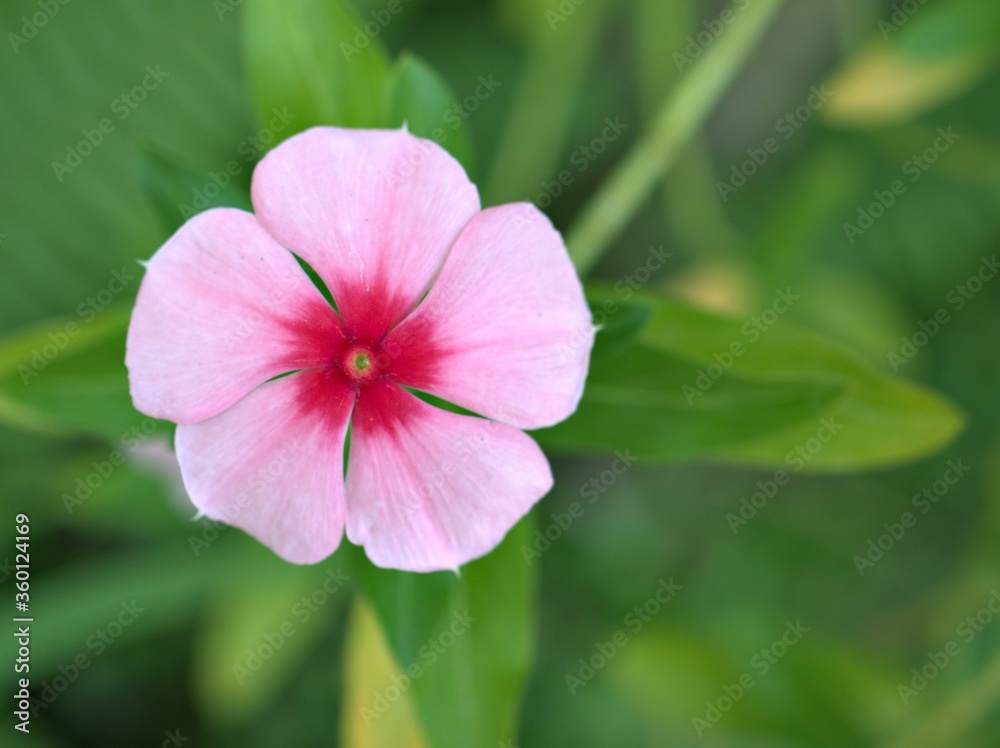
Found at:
[635, 400]
[958, 27]
[474, 652]
[668, 673]
[921, 61]
[68, 375]
[676, 392]
[257, 634]
[483, 676]
[179, 191]
[168, 583]
[409, 605]
[313, 59]
[415, 94]
[368, 665]
[63, 237]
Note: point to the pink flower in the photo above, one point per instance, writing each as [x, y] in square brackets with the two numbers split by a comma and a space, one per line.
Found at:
[481, 308]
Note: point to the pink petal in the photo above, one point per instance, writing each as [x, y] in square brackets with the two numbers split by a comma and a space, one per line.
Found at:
[273, 464]
[221, 309]
[374, 212]
[505, 331]
[430, 490]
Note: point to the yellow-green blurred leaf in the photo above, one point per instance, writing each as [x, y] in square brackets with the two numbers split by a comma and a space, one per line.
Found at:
[881, 86]
[923, 60]
[258, 632]
[368, 666]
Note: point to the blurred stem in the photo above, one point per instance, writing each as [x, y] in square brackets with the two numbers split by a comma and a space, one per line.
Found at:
[551, 83]
[680, 117]
[690, 199]
[947, 725]
[659, 26]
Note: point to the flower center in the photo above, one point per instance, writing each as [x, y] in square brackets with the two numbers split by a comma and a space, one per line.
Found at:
[360, 364]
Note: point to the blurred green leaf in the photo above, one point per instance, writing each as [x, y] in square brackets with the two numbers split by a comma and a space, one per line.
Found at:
[956, 27]
[368, 666]
[178, 191]
[314, 60]
[923, 60]
[68, 375]
[635, 400]
[671, 675]
[409, 605]
[472, 696]
[679, 392]
[419, 97]
[885, 419]
[553, 81]
[473, 654]
[811, 197]
[167, 583]
[64, 234]
[256, 635]
[852, 307]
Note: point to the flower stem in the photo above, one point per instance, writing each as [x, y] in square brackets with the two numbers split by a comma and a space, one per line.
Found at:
[678, 120]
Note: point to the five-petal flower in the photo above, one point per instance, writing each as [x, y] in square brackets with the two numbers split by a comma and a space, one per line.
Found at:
[481, 308]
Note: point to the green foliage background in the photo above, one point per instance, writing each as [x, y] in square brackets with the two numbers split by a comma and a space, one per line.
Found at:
[697, 89]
